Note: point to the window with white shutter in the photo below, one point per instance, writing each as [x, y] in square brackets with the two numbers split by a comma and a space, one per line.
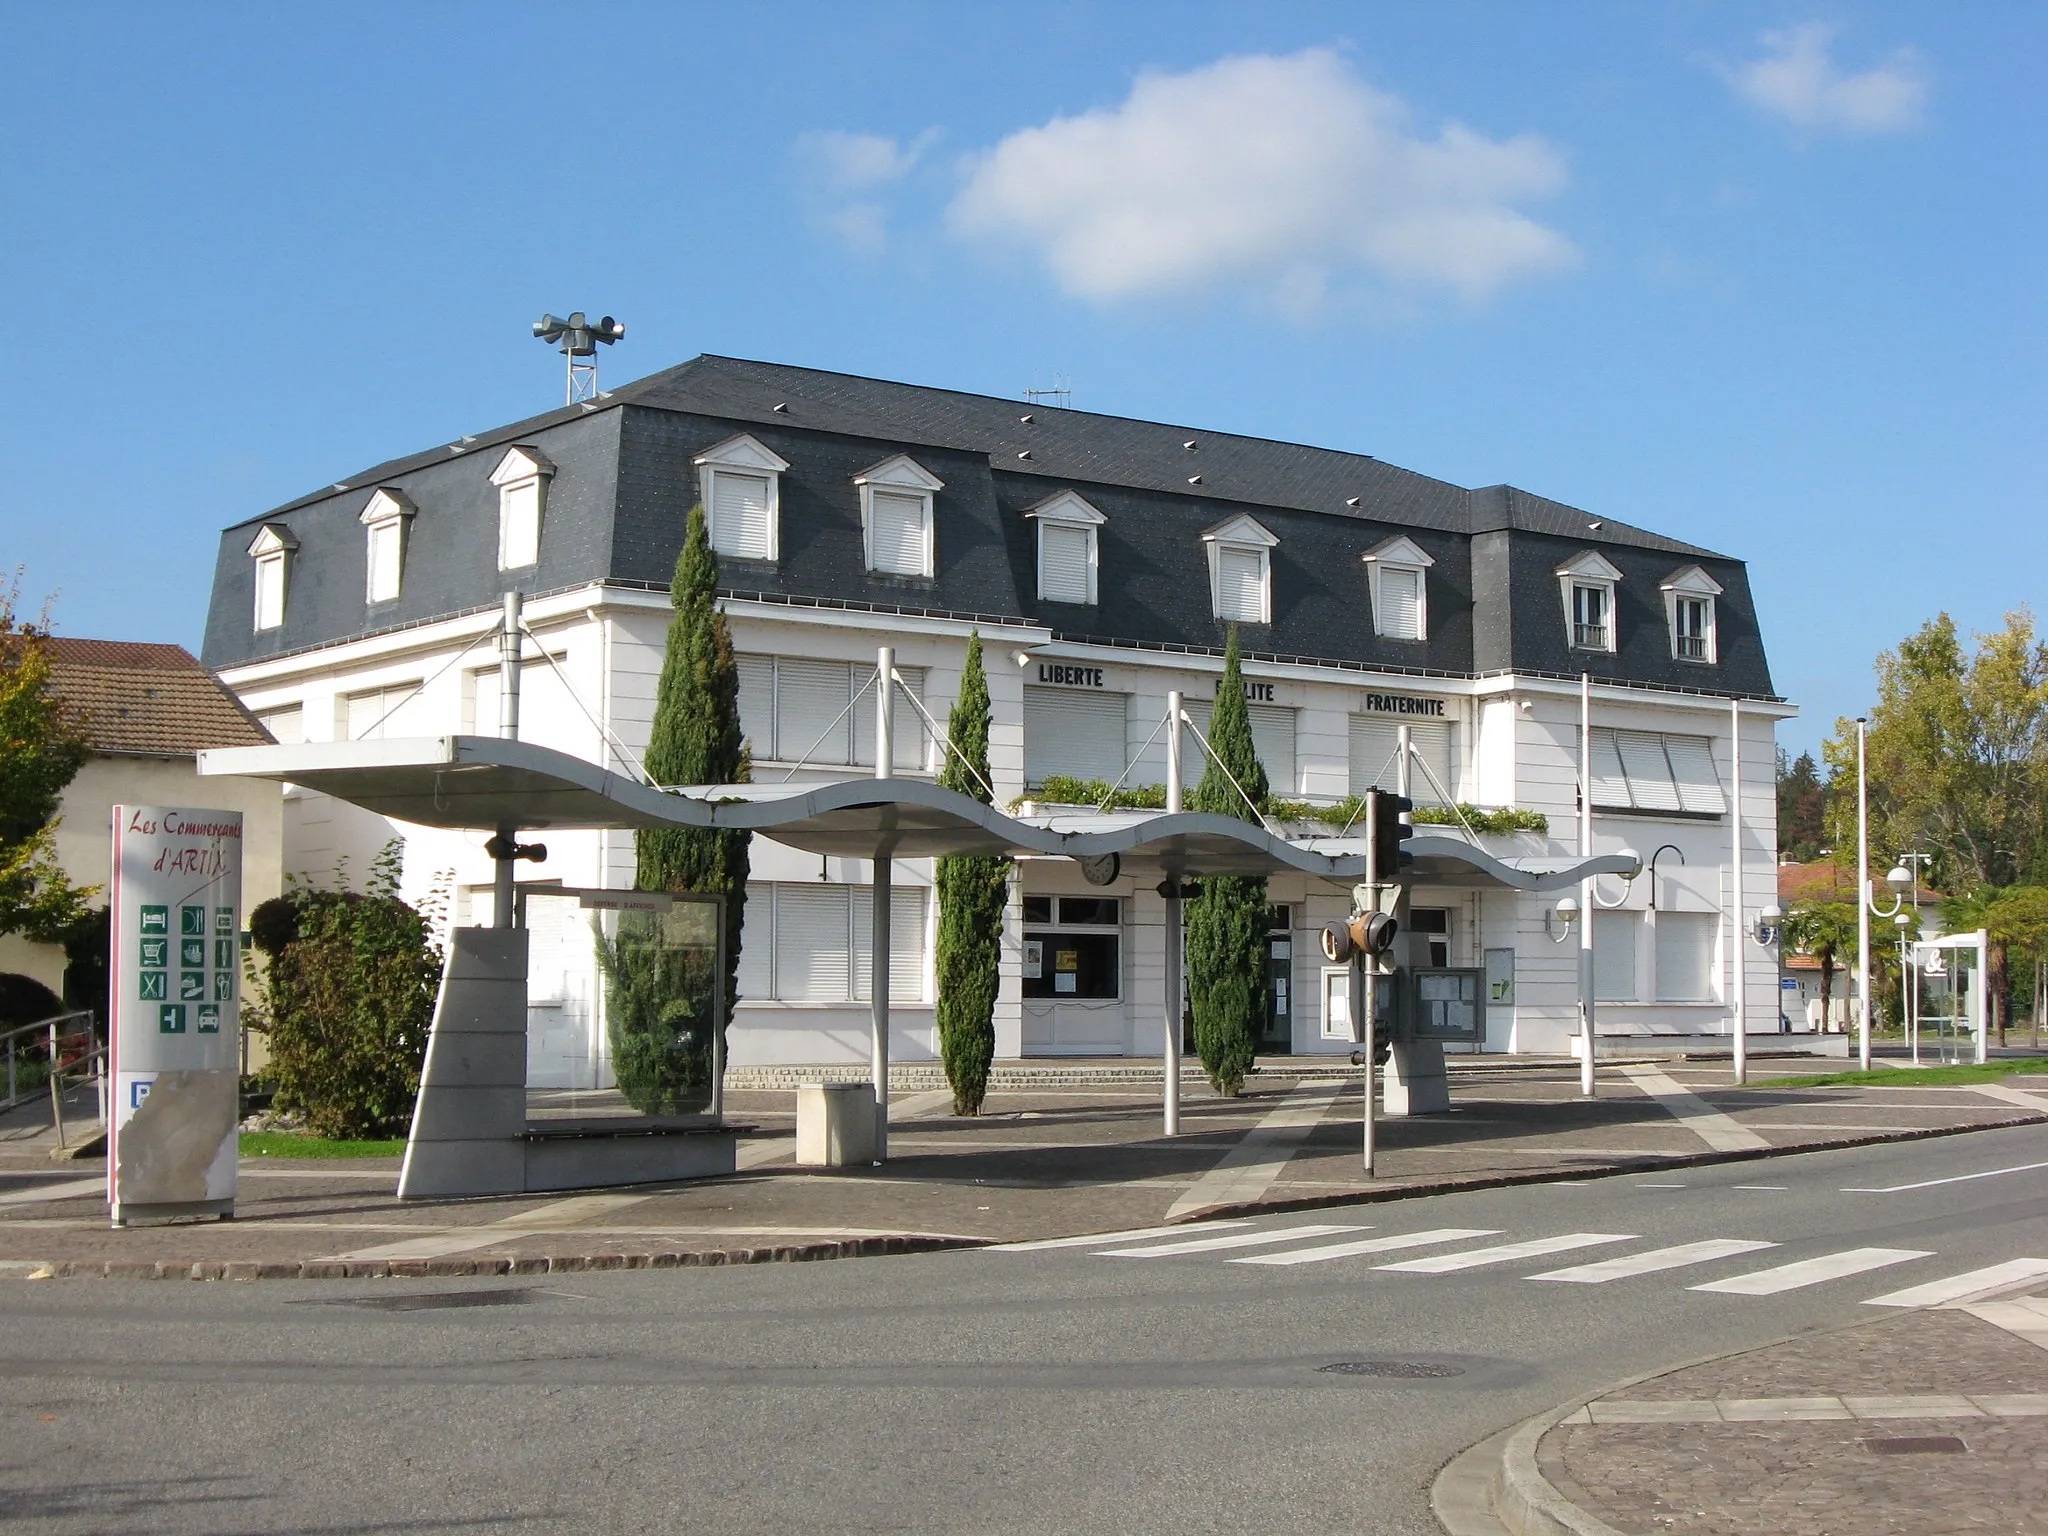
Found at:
[814, 943]
[1376, 750]
[1066, 563]
[1685, 956]
[286, 724]
[376, 713]
[1273, 730]
[522, 478]
[757, 705]
[385, 520]
[740, 522]
[1655, 772]
[1614, 956]
[897, 534]
[812, 721]
[1074, 734]
[1241, 585]
[1400, 603]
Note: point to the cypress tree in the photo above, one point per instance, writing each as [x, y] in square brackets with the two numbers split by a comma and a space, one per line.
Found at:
[695, 739]
[972, 891]
[1226, 923]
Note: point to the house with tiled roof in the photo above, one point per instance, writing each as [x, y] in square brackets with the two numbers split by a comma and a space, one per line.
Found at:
[143, 711]
[1517, 644]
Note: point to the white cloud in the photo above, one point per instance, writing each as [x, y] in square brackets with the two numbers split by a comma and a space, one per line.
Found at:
[1287, 177]
[1797, 79]
[843, 173]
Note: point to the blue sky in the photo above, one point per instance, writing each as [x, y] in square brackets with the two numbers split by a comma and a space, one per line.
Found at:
[1763, 277]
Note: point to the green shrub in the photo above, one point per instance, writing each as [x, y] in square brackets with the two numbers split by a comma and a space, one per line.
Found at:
[1058, 789]
[346, 1003]
[1351, 811]
[658, 1013]
[973, 890]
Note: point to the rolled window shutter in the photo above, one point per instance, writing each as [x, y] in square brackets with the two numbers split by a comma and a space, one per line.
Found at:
[1374, 745]
[906, 943]
[1614, 957]
[1240, 593]
[812, 958]
[1650, 783]
[1685, 955]
[757, 705]
[385, 546]
[896, 535]
[757, 944]
[519, 525]
[1073, 734]
[1609, 778]
[1692, 767]
[906, 725]
[1273, 737]
[1400, 603]
[811, 719]
[1432, 741]
[739, 515]
[1063, 563]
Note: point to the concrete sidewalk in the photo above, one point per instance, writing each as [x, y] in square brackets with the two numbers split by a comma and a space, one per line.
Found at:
[1048, 1158]
[1927, 1421]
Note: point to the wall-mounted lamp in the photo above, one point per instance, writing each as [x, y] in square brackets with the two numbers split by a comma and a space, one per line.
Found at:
[1565, 912]
[1023, 658]
[1768, 923]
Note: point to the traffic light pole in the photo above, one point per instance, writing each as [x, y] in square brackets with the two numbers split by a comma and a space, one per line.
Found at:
[1364, 970]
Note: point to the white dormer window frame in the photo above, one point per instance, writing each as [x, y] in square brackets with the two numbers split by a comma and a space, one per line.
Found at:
[522, 478]
[736, 461]
[1587, 583]
[1404, 557]
[272, 550]
[899, 476]
[1691, 615]
[1231, 541]
[387, 522]
[1067, 515]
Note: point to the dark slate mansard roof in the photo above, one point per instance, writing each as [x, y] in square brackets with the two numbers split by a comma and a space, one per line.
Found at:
[624, 479]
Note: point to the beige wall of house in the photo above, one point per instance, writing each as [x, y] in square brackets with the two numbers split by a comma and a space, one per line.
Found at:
[85, 832]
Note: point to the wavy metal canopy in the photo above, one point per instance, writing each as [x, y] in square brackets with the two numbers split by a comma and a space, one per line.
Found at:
[487, 782]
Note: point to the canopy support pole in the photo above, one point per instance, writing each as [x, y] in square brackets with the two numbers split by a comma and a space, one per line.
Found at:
[878, 943]
[1169, 1045]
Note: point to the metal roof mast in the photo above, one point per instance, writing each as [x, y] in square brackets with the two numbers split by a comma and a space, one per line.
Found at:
[578, 340]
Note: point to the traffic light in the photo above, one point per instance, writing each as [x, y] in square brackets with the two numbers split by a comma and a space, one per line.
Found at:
[1369, 933]
[1390, 829]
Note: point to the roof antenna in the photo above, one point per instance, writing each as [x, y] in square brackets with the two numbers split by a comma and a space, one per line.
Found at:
[1060, 395]
[579, 339]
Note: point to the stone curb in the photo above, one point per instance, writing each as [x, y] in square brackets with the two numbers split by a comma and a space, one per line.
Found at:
[449, 1268]
[1371, 1195]
[1497, 1486]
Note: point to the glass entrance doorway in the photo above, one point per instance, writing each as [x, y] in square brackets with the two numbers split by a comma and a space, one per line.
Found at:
[1277, 1038]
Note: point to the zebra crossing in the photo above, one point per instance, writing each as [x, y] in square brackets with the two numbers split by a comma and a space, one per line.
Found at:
[1460, 1250]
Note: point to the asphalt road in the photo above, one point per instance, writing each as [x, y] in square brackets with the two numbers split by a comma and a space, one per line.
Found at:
[1059, 1389]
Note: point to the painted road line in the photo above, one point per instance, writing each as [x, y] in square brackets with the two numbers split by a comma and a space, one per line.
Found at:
[1961, 1178]
[1829, 1266]
[1228, 1240]
[1251, 1167]
[1656, 1259]
[70, 1189]
[1721, 1132]
[1767, 1188]
[1100, 1239]
[1937, 1293]
[1370, 1245]
[1503, 1253]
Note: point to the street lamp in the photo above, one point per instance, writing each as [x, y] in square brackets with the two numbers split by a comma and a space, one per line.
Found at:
[1566, 912]
[1768, 923]
[1907, 989]
[1900, 879]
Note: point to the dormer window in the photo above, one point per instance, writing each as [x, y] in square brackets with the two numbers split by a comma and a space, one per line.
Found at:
[522, 478]
[1689, 611]
[1067, 551]
[272, 550]
[1240, 571]
[1400, 589]
[1587, 582]
[386, 518]
[740, 484]
[896, 515]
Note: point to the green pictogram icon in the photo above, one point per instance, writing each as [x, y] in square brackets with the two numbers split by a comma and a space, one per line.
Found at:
[156, 952]
[223, 954]
[192, 922]
[170, 1019]
[156, 919]
[223, 986]
[153, 986]
[223, 919]
[191, 986]
[192, 952]
[209, 1018]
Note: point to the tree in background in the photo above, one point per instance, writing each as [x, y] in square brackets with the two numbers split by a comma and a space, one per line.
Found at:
[1802, 808]
[695, 738]
[1958, 767]
[345, 1002]
[1823, 925]
[973, 889]
[1227, 922]
[2015, 923]
[39, 755]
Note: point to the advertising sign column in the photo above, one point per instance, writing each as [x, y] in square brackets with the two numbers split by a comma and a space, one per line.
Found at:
[176, 1029]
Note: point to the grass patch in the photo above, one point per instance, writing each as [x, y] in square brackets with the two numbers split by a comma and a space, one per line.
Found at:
[287, 1144]
[1917, 1077]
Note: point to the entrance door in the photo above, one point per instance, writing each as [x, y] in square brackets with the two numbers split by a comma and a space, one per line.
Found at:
[1277, 1038]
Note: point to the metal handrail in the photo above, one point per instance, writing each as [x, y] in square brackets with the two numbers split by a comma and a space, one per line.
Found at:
[53, 1027]
[95, 1058]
